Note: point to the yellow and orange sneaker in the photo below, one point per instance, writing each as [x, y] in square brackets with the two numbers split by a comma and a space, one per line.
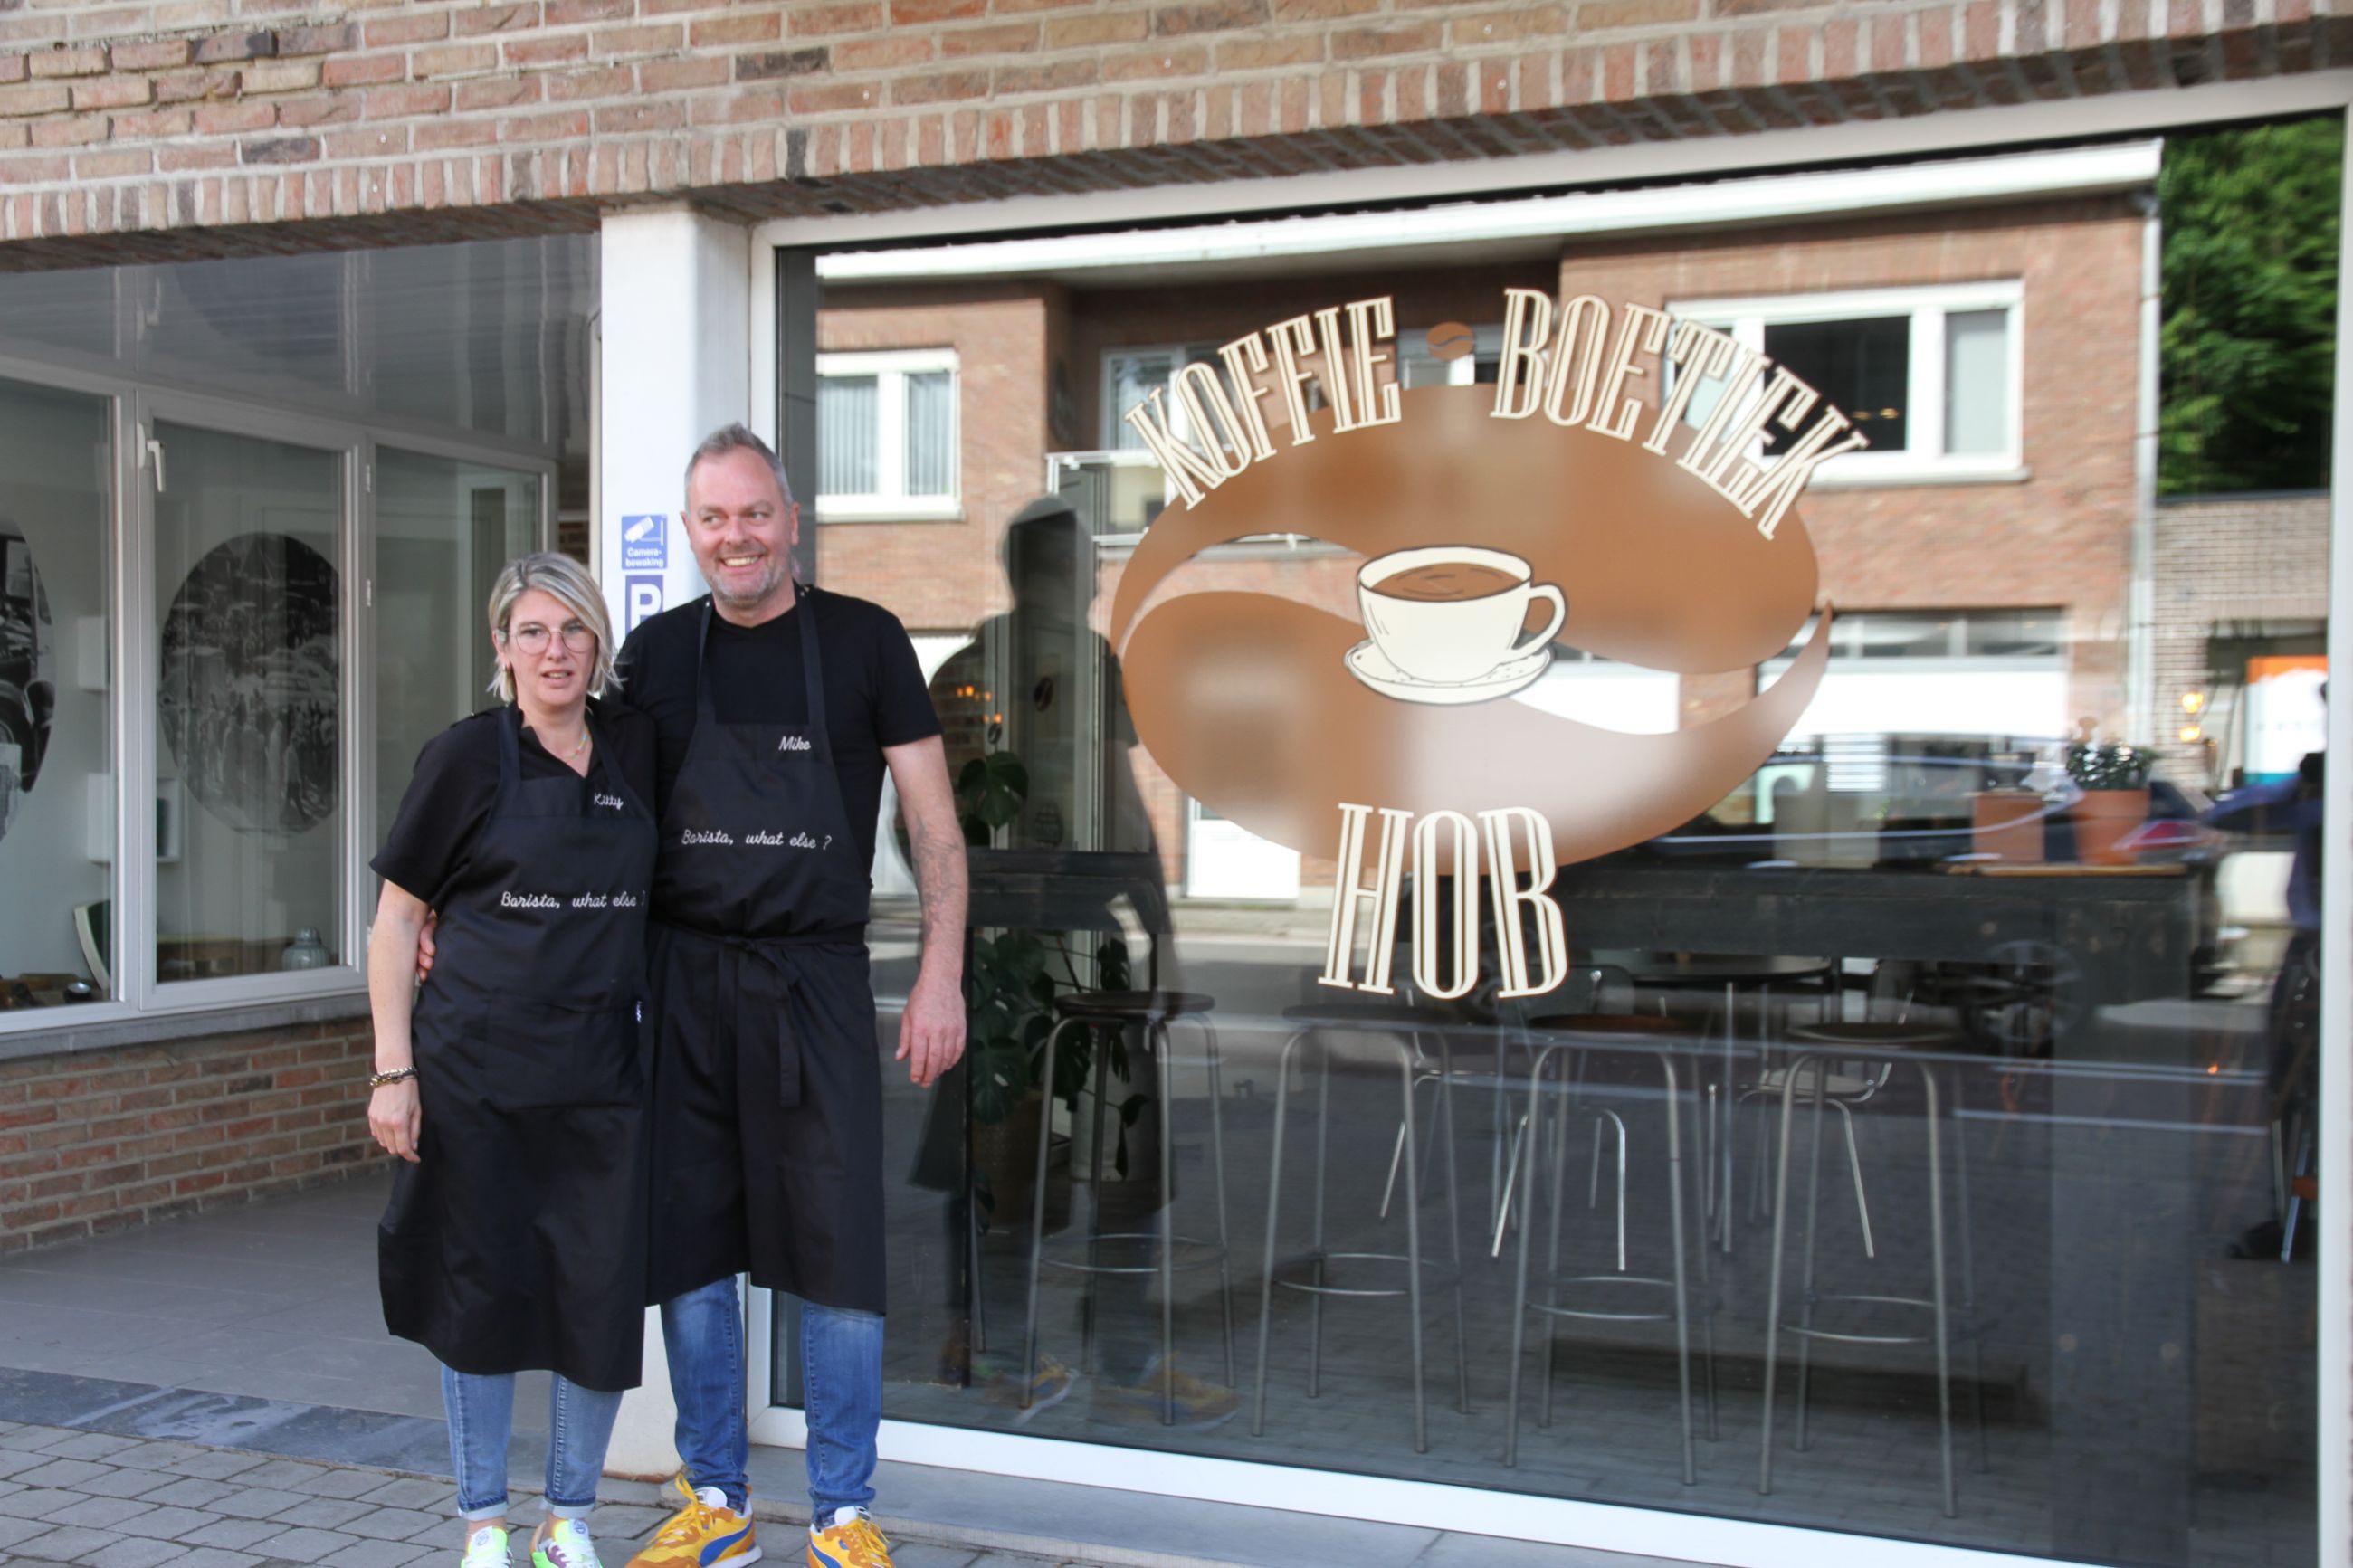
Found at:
[850, 1542]
[703, 1533]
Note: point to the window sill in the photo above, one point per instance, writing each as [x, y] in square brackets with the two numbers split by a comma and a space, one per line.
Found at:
[1891, 477]
[119, 1027]
[889, 509]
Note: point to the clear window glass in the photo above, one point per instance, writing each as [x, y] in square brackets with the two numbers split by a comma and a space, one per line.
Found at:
[444, 530]
[847, 410]
[1864, 367]
[1977, 381]
[250, 857]
[57, 768]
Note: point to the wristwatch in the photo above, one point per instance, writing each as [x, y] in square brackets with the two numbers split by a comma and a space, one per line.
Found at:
[397, 1075]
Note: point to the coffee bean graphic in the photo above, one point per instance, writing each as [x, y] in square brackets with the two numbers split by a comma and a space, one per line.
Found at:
[1451, 339]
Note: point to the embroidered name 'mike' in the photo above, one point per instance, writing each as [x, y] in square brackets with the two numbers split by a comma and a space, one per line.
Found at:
[792, 744]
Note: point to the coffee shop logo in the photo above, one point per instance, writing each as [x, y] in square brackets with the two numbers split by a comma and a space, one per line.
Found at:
[1614, 490]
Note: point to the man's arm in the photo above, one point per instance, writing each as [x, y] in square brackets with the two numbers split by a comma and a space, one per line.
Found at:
[931, 1030]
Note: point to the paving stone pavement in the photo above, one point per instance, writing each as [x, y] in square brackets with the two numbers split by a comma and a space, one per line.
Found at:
[86, 1499]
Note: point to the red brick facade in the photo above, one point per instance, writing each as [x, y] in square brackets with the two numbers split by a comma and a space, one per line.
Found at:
[217, 126]
[96, 1140]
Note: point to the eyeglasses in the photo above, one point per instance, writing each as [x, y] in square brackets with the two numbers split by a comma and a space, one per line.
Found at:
[532, 638]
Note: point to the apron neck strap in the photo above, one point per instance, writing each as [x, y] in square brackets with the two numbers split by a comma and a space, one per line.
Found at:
[812, 672]
[510, 749]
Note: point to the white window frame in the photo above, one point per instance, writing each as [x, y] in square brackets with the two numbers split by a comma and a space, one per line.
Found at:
[890, 502]
[1925, 461]
[1487, 342]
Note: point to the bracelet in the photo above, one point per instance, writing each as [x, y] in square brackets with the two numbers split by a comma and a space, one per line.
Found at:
[397, 1075]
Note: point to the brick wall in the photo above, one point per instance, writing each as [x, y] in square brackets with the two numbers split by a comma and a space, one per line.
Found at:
[98, 1140]
[191, 122]
[2245, 565]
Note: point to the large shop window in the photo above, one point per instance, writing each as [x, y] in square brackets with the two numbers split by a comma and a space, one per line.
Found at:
[56, 768]
[890, 445]
[250, 514]
[1930, 375]
[1908, 1140]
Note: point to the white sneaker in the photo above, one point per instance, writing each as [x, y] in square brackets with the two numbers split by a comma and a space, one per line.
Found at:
[486, 1548]
[562, 1544]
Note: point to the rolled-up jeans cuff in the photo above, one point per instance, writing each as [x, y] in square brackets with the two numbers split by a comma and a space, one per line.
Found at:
[570, 1509]
[476, 1515]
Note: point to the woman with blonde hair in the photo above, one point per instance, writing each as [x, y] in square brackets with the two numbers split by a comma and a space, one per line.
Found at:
[509, 1083]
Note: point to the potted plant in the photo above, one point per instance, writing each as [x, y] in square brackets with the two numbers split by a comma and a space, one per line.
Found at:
[2114, 779]
[1014, 980]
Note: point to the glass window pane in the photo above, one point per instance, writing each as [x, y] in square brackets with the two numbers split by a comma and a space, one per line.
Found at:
[931, 434]
[847, 406]
[1134, 377]
[1864, 367]
[57, 770]
[1977, 381]
[250, 846]
[444, 528]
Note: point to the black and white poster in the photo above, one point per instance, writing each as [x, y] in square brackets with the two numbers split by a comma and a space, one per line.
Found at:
[28, 688]
[248, 699]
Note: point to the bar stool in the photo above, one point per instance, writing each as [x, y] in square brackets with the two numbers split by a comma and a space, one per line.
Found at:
[1820, 1050]
[1151, 1011]
[1562, 1039]
[1404, 1029]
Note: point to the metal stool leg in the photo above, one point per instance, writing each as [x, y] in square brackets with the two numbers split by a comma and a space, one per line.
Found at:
[1813, 1235]
[1445, 1098]
[1038, 1218]
[1524, 1177]
[1551, 1246]
[1217, 1181]
[1702, 1174]
[1095, 1205]
[1273, 1214]
[1675, 1235]
[1773, 1290]
[1969, 1276]
[1168, 1085]
[1413, 1240]
[1937, 1271]
[1315, 1302]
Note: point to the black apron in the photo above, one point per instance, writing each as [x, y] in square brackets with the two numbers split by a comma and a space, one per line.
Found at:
[767, 1090]
[517, 1240]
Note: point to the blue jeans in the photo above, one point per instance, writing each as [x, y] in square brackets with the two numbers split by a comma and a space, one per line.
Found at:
[841, 1383]
[482, 1418]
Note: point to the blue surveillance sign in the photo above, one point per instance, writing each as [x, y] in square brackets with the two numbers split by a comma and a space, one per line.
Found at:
[644, 542]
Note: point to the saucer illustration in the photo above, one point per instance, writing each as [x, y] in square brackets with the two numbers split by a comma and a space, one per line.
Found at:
[1369, 665]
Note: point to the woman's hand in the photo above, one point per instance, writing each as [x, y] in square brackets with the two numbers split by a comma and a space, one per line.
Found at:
[396, 1117]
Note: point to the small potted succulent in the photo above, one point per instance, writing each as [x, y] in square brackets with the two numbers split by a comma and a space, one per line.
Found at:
[2114, 779]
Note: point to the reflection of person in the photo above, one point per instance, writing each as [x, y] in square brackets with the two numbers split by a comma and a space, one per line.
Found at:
[1039, 650]
[778, 708]
[2289, 807]
[514, 1238]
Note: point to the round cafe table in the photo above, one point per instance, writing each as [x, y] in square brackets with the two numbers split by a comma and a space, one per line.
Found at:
[1706, 972]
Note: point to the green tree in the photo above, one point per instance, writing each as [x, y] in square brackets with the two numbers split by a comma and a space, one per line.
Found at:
[2249, 339]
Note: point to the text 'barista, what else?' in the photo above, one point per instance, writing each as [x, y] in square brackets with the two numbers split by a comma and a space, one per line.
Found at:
[1630, 374]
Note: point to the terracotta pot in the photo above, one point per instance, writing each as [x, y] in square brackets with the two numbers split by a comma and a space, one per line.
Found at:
[2104, 818]
[2007, 823]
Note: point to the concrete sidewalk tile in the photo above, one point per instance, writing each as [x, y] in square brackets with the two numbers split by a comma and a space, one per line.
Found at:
[17, 1461]
[214, 1557]
[155, 1454]
[410, 1491]
[92, 1446]
[191, 1491]
[256, 1502]
[162, 1523]
[13, 1531]
[126, 1483]
[935, 1557]
[45, 1502]
[67, 1542]
[33, 1439]
[382, 1554]
[100, 1512]
[286, 1475]
[324, 1512]
[135, 1554]
[61, 1473]
[339, 1483]
[217, 1464]
[391, 1523]
[234, 1534]
[307, 1545]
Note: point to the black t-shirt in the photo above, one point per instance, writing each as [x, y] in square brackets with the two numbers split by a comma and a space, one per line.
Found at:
[875, 694]
[456, 779]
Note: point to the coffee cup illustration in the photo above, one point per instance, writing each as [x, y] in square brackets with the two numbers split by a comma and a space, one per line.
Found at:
[1448, 625]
